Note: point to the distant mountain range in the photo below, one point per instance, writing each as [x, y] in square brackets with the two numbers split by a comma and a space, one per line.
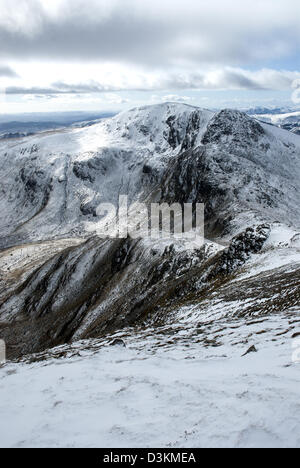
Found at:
[283, 117]
[22, 125]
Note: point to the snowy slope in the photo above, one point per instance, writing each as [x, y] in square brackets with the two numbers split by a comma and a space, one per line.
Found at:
[177, 395]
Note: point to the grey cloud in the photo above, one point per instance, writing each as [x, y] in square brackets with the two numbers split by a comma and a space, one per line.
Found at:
[7, 72]
[226, 79]
[118, 38]
[60, 88]
[238, 80]
[21, 90]
[82, 88]
[155, 33]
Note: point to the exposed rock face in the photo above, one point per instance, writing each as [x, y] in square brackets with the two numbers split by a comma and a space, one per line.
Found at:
[234, 126]
[88, 290]
[100, 286]
[247, 176]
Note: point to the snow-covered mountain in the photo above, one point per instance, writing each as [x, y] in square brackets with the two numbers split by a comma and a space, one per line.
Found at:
[61, 285]
[53, 183]
[246, 173]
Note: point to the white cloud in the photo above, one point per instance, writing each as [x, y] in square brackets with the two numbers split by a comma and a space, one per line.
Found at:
[176, 98]
[115, 98]
[48, 79]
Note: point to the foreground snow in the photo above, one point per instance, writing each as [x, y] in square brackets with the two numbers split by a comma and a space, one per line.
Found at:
[183, 396]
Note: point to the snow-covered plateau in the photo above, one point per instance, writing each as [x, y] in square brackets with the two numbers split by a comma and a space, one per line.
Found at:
[147, 342]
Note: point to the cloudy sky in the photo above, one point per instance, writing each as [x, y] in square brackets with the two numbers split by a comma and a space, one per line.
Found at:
[115, 54]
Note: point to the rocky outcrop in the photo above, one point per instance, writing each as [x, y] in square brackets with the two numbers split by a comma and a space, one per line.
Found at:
[234, 125]
[241, 247]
